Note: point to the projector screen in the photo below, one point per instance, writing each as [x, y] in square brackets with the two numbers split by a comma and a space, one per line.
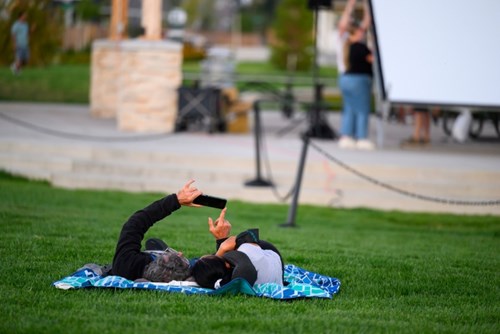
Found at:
[438, 52]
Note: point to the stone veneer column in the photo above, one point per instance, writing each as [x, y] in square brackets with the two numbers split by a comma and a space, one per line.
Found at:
[150, 74]
[136, 81]
[105, 71]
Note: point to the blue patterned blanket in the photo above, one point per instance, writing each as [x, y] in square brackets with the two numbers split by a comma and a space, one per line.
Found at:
[301, 284]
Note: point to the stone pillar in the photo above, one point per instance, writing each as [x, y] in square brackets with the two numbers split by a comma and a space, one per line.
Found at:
[105, 73]
[150, 74]
[151, 19]
[136, 81]
[119, 20]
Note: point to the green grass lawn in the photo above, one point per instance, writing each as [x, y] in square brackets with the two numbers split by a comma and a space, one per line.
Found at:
[61, 83]
[71, 83]
[400, 272]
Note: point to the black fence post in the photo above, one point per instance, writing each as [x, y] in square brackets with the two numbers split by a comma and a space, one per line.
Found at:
[258, 181]
[292, 211]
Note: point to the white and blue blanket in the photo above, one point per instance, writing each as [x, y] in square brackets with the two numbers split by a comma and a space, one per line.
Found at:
[301, 284]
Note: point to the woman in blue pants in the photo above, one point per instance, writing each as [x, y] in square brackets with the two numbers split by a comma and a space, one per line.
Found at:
[355, 85]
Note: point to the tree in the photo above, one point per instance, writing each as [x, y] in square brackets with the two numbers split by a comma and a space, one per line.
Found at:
[88, 10]
[293, 33]
[264, 11]
[46, 28]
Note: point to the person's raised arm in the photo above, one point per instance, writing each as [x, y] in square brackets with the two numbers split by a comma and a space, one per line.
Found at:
[228, 245]
[346, 16]
[367, 18]
[128, 260]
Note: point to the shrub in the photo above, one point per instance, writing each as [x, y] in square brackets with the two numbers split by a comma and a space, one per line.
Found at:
[88, 10]
[72, 57]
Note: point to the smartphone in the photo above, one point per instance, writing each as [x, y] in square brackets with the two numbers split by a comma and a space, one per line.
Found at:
[211, 201]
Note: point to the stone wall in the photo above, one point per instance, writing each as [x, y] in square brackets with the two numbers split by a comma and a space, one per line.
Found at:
[136, 81]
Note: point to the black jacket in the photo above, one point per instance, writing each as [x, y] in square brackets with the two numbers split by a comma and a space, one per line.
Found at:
[129, 261]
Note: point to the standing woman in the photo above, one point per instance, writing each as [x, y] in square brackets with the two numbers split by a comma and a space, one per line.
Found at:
[355, 85]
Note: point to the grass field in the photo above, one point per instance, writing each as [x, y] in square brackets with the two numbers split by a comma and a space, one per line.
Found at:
[400, 272]
[62, 83]
[70, 83]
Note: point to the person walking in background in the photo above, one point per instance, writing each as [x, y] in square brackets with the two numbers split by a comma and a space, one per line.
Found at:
[20, 36]
[355, 85]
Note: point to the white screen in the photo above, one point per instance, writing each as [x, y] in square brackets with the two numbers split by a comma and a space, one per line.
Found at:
[439, 51]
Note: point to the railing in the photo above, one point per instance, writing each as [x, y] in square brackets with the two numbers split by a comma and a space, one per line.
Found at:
[275, 79]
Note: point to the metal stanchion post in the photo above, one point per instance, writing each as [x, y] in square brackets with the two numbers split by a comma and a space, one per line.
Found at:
[292, 211]
[258, 181]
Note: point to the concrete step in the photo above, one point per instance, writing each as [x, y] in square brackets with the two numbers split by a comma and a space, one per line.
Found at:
[317, 174]
[281, 171]
[141, 177]
[23, 161]
[324, 183]
[45, 149]
[338, 197]
[44, 160]
[32, 174]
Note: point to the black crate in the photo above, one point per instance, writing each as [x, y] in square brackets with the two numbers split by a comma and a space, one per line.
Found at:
[199, 109]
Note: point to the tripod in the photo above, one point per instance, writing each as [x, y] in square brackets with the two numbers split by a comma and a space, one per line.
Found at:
[318, 127]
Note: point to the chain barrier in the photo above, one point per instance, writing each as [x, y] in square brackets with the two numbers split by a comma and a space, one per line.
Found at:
[277, 194]
[76, 136]
[398, 190]
[330, 157]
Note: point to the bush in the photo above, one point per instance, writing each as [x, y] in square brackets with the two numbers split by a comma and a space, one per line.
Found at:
[46, 28]
[293, 33]
[72, 57]
[88, 10]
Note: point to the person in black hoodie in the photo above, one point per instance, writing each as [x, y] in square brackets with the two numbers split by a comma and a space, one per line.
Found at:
[132, 263]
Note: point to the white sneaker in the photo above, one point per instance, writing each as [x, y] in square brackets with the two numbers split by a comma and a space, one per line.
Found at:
[347, 142]
[365, 144]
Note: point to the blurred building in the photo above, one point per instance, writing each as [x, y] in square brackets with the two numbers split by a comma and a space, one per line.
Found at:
[214, 22]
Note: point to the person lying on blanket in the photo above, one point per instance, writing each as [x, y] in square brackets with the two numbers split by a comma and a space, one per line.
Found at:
[245, 256]
[242, 256]
[167, 265]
